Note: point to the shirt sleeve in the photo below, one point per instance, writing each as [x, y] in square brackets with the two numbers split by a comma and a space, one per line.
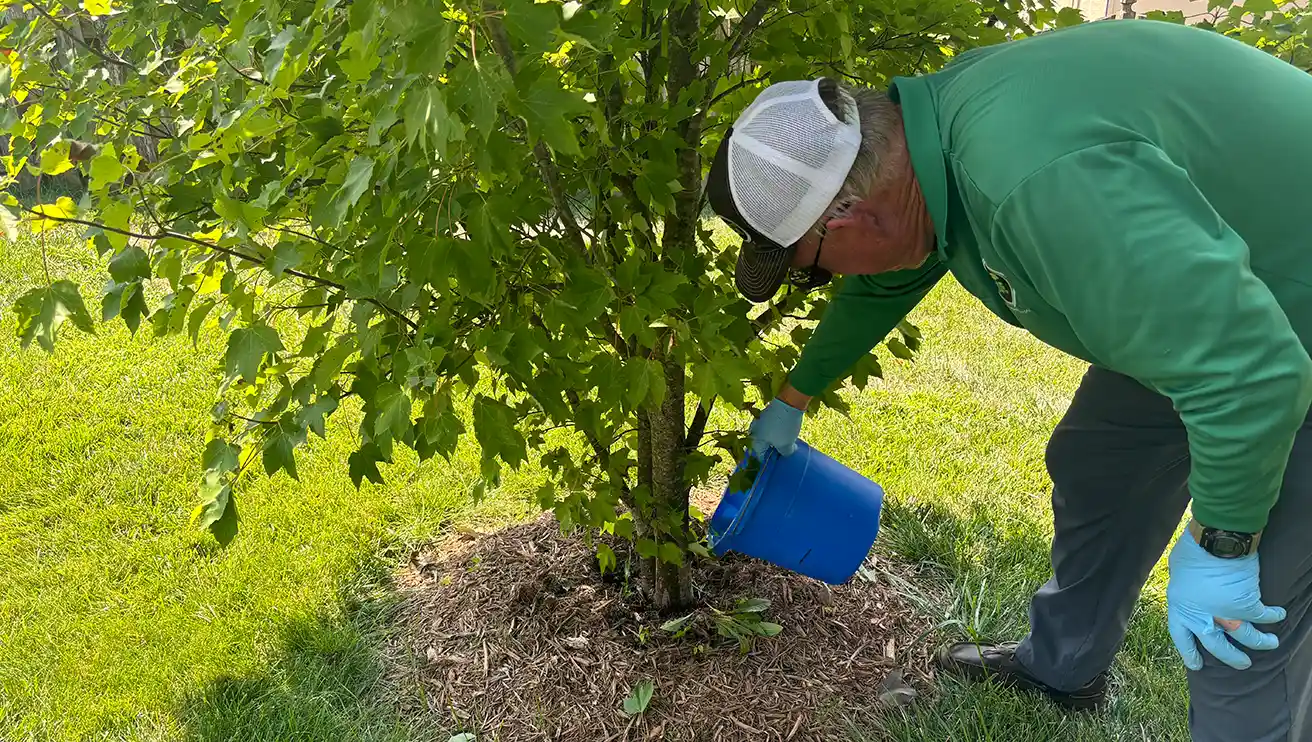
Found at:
[862, 314]
[1157, 287]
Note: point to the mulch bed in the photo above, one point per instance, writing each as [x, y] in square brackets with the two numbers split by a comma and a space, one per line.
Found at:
[515, 636]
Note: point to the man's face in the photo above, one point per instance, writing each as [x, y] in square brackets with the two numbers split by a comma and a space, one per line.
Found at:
[863, 241]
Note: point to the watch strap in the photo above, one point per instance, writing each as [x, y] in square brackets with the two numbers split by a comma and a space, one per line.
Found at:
[1196, 530]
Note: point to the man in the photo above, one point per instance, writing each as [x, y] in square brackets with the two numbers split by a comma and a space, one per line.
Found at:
[1136, 194]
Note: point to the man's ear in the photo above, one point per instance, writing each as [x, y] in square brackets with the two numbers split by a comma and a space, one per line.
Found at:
[860, 216]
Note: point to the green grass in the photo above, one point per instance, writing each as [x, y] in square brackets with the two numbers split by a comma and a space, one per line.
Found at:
[118, 620]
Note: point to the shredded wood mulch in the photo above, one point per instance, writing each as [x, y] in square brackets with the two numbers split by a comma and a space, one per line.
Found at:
[515, 636]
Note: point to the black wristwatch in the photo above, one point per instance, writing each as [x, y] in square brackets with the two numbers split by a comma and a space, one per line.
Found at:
[1224, 544]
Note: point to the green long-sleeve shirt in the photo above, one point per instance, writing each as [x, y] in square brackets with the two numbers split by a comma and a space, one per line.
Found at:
[1139, 195]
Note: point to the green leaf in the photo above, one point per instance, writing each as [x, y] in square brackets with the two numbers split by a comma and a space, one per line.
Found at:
[329, 365]
[1067, 17]
[313, 416]
[426, 117]
[363, 464]
[277, 52]
[218, 508]
[899, 349]
[478, 92]
[247, 348]
[766, 628]
[105, 168]
[131, 264]
[494, 426]
[118, 214]
[280, 449]
[316, 338]
[62, 208]
[356, 58]
[220, 456]
[42, 311]
[670, 552]
[752, 605]
[674, 625]
[646, 548]
[605, 558]
[639, 698]
[197, 319]
[549, 110]
[623, 527]
[393, 411]
[55, 159]
[358, 180]
[534, 24]
[132, 306]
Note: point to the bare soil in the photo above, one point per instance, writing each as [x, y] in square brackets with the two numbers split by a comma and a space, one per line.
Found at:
[515, 636]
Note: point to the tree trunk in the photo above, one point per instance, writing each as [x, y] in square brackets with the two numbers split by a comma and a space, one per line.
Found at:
[671, 581]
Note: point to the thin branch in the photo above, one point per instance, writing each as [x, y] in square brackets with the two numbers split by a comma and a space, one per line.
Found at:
[45, 261]
[60, 27]
[736, 87]
[698, 427]
[162, 234]
[233, 67]
[747, 26]
[546, 165]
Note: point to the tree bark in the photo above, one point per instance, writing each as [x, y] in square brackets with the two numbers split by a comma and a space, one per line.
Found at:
[671, 586]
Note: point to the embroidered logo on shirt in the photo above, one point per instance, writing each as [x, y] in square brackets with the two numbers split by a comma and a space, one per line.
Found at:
[1005, 290]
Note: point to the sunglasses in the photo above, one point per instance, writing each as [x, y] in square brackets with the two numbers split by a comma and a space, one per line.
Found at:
[813, 277]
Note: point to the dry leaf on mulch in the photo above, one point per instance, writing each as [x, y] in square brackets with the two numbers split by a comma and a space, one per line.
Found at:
[515, 636]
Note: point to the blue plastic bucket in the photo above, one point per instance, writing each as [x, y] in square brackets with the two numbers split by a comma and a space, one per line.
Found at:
[806, 513]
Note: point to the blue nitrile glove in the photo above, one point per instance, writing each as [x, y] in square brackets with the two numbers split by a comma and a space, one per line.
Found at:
[1203, 588]
[777, 427]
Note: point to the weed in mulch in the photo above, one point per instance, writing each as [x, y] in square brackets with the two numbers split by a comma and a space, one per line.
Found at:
[516, 636]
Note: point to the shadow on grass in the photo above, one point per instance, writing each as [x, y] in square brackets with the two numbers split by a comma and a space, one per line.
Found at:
[324, 684]
[980, 567]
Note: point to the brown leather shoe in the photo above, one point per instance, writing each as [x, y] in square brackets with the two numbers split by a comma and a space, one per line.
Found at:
[997, 662]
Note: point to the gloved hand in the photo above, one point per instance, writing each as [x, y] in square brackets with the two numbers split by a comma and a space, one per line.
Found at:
[1204, 588]
[777, 427]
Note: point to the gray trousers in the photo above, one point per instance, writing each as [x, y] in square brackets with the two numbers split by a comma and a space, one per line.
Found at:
[1119, 461]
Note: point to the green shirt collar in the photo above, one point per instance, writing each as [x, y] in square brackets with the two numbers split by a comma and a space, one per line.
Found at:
[924, 143]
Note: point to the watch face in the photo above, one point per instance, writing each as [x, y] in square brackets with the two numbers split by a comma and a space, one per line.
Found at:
[1228, 545]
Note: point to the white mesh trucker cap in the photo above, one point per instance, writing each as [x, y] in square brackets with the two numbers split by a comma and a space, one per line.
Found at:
[776, 171]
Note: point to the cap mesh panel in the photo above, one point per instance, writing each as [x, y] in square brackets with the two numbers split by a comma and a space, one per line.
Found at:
[765, 192]
[797, 129]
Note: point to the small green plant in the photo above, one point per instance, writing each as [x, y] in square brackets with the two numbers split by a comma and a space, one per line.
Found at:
[639, 698]
[744, 623]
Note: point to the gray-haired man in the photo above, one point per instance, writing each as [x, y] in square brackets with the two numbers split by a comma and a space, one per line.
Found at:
[1103, 187]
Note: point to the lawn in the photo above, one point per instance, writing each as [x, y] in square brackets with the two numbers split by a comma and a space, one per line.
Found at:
[120, 621]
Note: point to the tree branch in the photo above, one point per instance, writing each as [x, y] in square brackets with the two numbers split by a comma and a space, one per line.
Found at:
[747, 26]
[164, 233]
[76, 39]
[736, 87]
[546, 165]
[698, 426]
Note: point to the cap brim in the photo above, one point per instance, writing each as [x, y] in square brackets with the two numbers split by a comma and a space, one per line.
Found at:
[761, 270]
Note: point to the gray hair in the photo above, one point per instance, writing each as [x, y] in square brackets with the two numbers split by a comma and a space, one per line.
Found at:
[879, 118]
